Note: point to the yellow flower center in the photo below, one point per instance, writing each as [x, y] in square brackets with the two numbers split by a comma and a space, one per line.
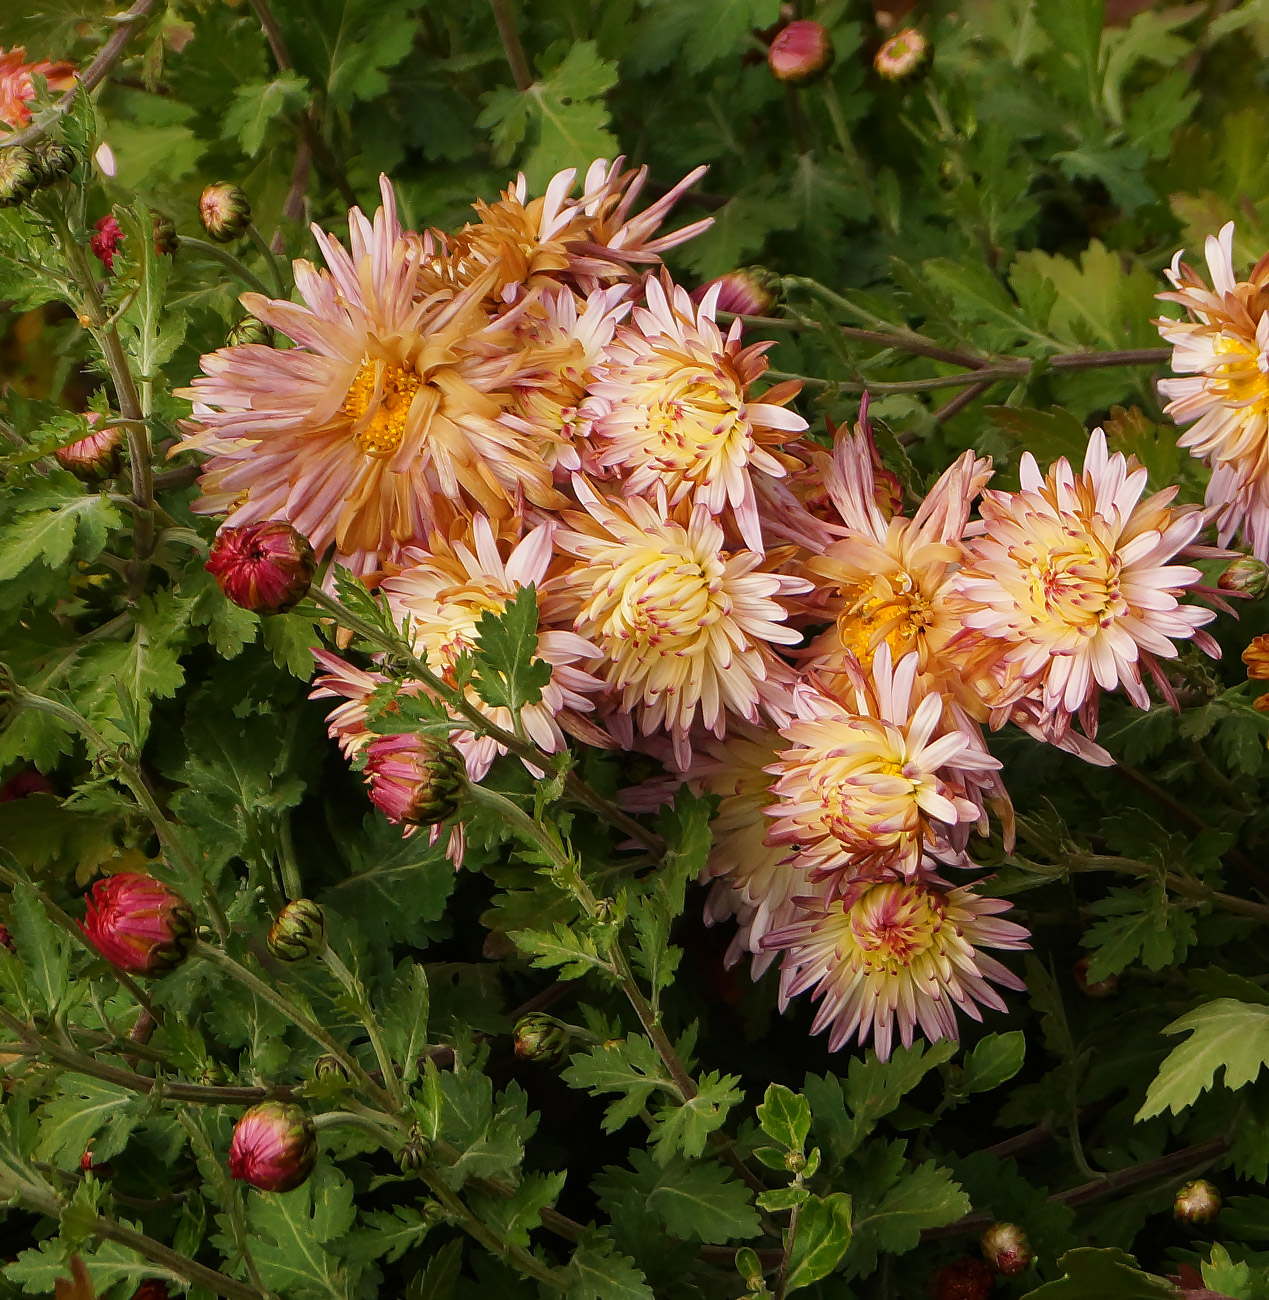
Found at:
[1078, 585]
[893, 925]
[868, 621]
[378, 404]
[688, 425]
[1241, 380]
[669, 599]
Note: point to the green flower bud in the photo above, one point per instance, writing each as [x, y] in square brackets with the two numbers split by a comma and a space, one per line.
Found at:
[326, 1066]
[299, 931]
[1247, 576]
[1197, 1201]
[541, 1038]
[414, 1152]
[53, 161]
[18, 176]
[224, 212]
[249, 330]
[166, 240]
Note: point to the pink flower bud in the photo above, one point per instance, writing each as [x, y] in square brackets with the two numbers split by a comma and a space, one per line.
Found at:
[1006, 1249]
[414, 778]
[1197, 1201]
[1247, 576]
[274, 1147]
[105, 240]
[96, 457]
[25, 784]
[224, 212]
[800, 52]
[902, 55]
[751, 291]
[266, 567]
[1096, 989]
[139, 924]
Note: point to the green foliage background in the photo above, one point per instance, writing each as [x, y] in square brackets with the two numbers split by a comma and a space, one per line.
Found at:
[1019, 202]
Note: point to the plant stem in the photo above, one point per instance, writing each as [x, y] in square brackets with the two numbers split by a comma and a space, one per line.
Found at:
[270, 258]
[356, 991]
[276, 1000]
[204, 248]
[511, 46]
[782, 1277]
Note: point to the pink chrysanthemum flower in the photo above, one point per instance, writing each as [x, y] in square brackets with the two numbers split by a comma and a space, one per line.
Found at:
[1223, 350]
[900, 955]
[672, 409]
[685, 626]
[444, 591]
[888, 580]
[869, 788]
[389, 400]
[1071, 588]
[17, 87]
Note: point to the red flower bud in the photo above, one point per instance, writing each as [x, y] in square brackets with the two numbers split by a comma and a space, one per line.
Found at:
[139, 924]
[96, 457]
[1196, 1202]
[105, 241]
[800, 52]
[6, 939]
[963, 1279]
[266, 567]
[1247, 576]
[274, 1147]
[151, 1289]
[224, 212]
[414, 778]
[1006, 1249]
[25, 784]
[299, 931]
[751, 291]
[1098, 989]
[902, 55]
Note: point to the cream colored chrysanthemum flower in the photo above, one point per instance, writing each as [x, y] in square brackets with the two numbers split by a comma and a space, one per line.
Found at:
[387, 401]
[1223, 350]
[899, 956]
[871, 786]
[1071, 588]
[445, 590]
[672, 410]
[888, 581]
[685, 626]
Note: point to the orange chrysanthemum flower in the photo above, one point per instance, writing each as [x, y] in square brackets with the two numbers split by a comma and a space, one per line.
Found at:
[17, 85]
[388, 401]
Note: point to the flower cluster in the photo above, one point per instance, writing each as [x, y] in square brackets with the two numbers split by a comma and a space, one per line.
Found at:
[17, 84]
[532, 402]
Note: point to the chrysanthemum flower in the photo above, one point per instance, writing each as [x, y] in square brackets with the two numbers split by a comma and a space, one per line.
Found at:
[1070, 589]
[888, 581]
[1223, 350]
[900, 955]
[672, 409]
[445, 590]
[17, 87]
[685, 626]
[346, 722]
[869, 788]
[388, 401]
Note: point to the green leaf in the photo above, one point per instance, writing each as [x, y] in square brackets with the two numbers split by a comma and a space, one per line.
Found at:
[514, 1217]
[88, 1110]
[386, 1235]
[1225, 1033]
[1140, 924]
[1092, 1274]
[1045, 434]
[696, 1200]
[508, 673]
[257, 103]
[629, 1066]
[823, 1237]
[487, 1133]
[717, 28]
[43, 947]
[405, 1023]
[52, 522]
[685, 1127]
[598, 1271]
[994, 1060]
[37, 1271]
[291, 1231]
[785, 1117]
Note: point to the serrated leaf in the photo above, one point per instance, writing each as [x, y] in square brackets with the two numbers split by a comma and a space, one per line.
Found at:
[598, 1271]
[629, 1066]
[1092, 1274]
[1225, 1033]
[87, 1111]
[697, 1200]
[48, 535]
[405, 1022]
[43, 947]
[514, 1217]
[291, 1232]
[1139, 924]
[508, 674]
[686, 1126]
[257, 103]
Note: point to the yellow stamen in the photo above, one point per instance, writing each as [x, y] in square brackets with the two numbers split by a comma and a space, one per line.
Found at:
[378, 403]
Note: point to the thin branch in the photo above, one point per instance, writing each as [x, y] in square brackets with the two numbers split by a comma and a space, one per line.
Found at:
[510, 37]
[961, 401]
[95, 73]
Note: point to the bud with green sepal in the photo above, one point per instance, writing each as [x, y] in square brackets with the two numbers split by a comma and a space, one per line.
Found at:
[53, 161]
[166, 241]
[299, 931]
[542, 1038]
[1247, 576]
[274, 1147]
[415, 778]
[1197, 1201]
[249, 330]
[224, 211]
[19, 176]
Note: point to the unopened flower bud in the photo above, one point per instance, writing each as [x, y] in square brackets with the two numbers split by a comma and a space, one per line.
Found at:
[18, 176]
[6, 939]
[1247, 576]
[105, 240]
[415, 778]
[414, 1152]
[274, 1147]
[151, 1289]
[1196, 1202]
[1006, 1249]
[101, 1169]
[751, 291]
[53, 161]
[1097, 989]
[326, 1066]
[139, 924]
[265, 567]
[903, 55]
[800, 52]
[249, 330]
[299, 931]
[166, 241]
[24, 784]
[224, 212]
[96, 457]
[541, 1038]
[795, 1162]
[963, 1279]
